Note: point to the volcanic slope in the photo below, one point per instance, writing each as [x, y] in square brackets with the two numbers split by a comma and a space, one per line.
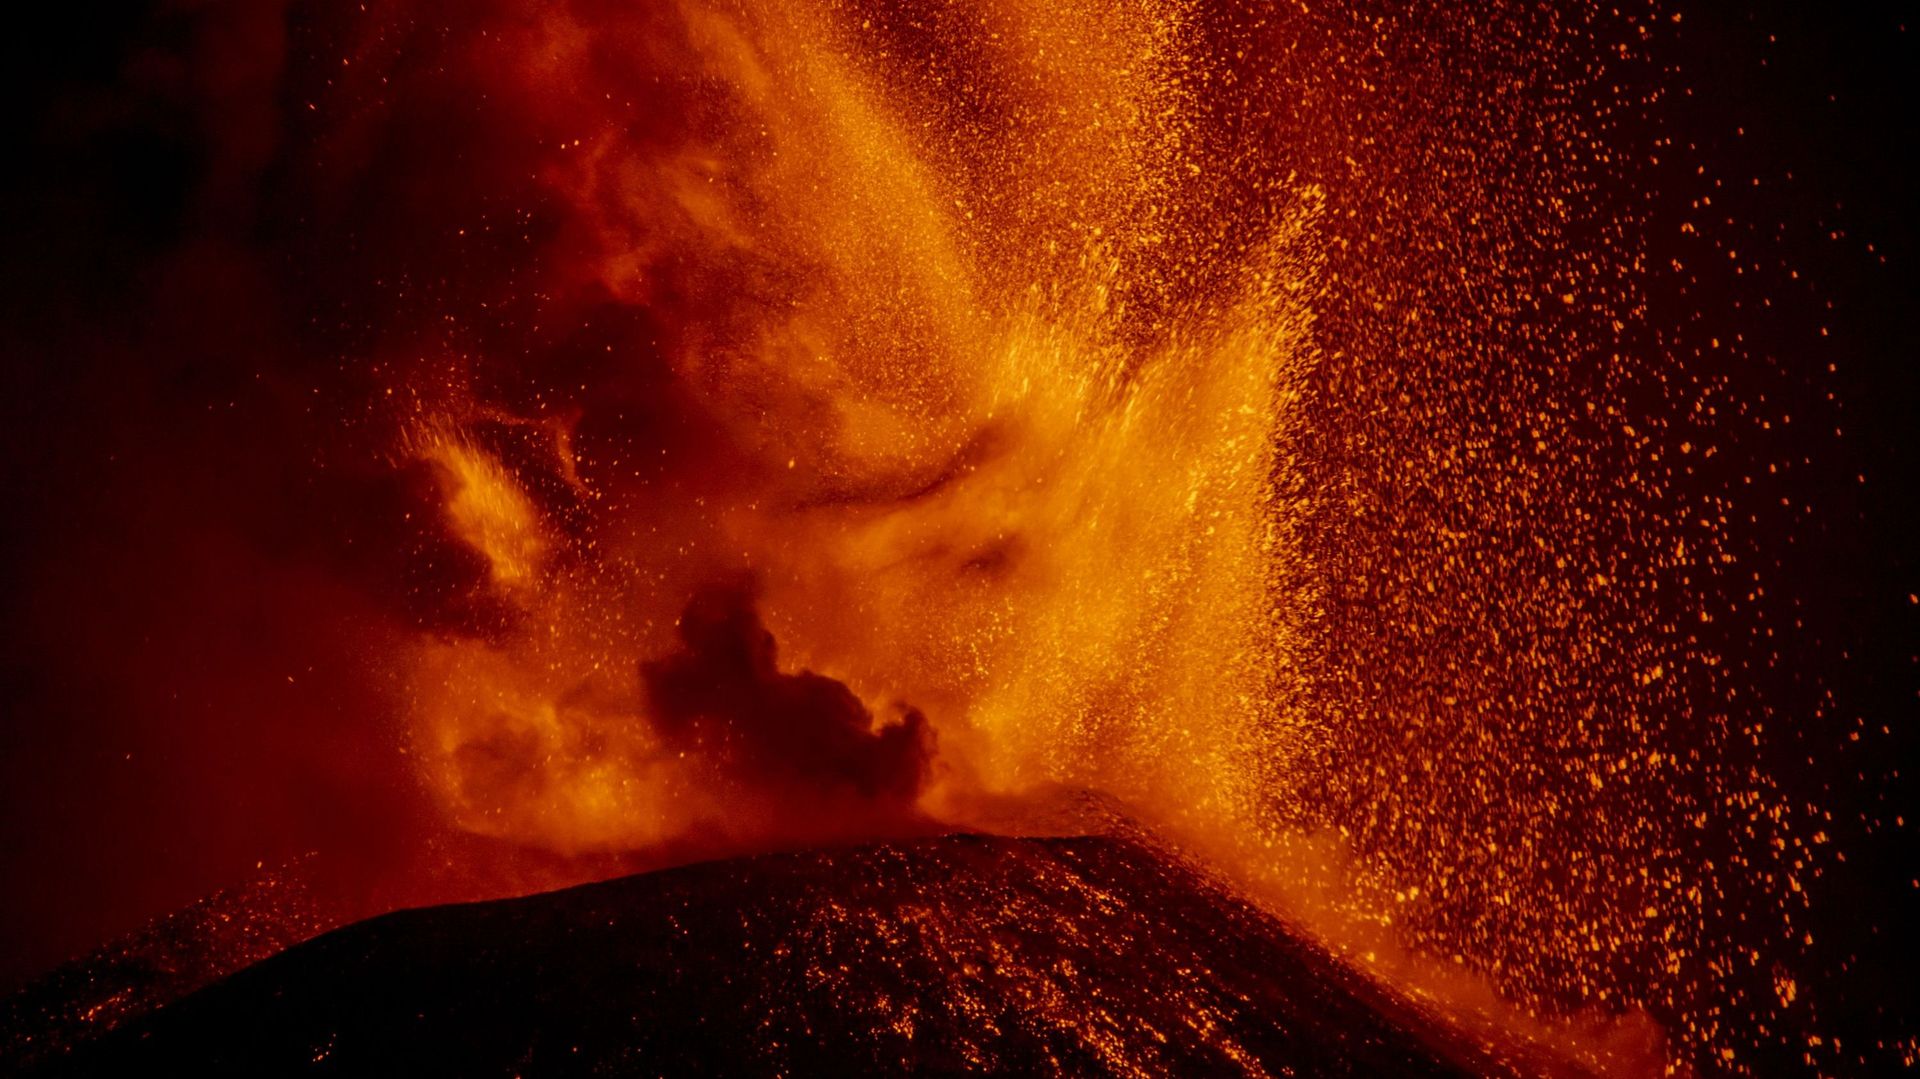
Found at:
[961, 954]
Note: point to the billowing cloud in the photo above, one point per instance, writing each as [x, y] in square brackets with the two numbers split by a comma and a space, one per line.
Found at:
[802, 734]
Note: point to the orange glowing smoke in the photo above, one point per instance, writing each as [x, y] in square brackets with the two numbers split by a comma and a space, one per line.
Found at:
[1243, 412]
[999, 449]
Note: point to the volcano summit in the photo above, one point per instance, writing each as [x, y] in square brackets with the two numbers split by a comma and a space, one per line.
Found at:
[960, 954]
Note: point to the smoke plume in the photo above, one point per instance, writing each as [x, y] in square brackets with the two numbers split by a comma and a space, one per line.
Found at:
[804, 736]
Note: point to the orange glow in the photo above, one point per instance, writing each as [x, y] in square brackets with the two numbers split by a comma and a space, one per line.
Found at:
[490, 513]
[1443, 470]
[968, 475]
[1162, 401]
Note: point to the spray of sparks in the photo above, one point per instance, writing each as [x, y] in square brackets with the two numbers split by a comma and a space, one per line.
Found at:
[1251, 411]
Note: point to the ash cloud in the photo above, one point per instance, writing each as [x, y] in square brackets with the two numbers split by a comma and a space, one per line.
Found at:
[801, 738]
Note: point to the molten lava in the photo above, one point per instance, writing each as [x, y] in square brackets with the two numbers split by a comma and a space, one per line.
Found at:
[1213, 408]
[994, 429]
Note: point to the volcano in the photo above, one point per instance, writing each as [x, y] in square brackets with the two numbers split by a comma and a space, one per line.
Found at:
[1093, 955]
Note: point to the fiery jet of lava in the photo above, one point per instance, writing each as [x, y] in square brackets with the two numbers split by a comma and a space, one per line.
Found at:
[1245, 412]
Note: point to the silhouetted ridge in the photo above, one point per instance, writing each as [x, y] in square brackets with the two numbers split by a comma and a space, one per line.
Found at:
[1082, 956]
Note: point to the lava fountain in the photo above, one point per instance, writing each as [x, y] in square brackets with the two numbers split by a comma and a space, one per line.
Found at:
[1211, 408]
[833, 419]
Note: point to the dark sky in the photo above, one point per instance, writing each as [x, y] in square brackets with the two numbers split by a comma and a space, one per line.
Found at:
[1809, 98]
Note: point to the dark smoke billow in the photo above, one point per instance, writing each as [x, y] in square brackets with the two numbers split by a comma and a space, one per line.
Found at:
[799, 736]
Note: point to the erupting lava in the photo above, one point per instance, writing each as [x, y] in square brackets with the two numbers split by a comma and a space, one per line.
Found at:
[813, 420]
[995, 428]
[1214, 408]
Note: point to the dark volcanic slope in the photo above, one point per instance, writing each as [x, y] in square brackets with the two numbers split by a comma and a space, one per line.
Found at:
[966, 953]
